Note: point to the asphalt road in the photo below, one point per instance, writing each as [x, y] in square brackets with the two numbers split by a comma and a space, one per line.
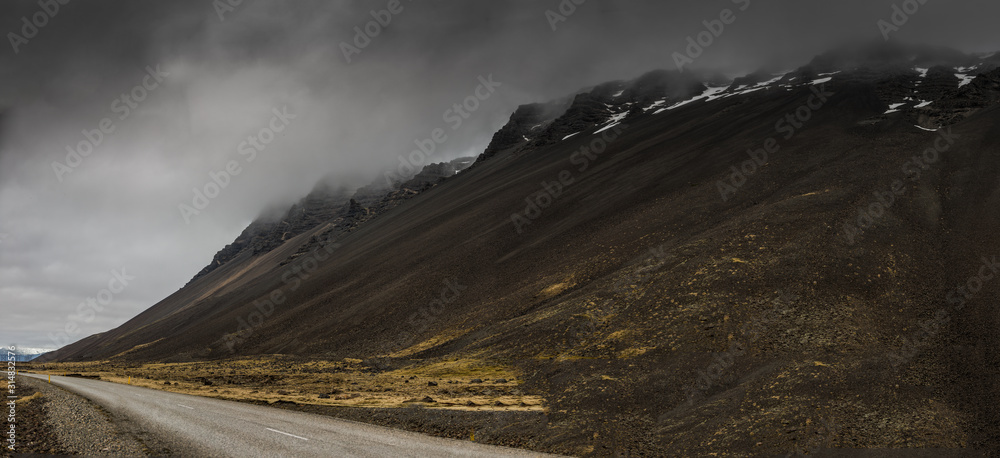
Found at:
[200, 426]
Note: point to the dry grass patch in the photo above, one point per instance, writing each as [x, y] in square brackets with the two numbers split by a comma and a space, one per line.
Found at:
[465, 384]
[432, 342]
[24, 400]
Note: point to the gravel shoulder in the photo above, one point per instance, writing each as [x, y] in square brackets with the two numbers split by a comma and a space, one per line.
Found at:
[82, 428]
[33, 435]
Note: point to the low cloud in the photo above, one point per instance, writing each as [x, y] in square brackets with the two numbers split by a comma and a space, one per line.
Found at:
[353, 116]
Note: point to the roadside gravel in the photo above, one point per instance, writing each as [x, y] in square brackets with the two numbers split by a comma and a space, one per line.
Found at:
[81, 427]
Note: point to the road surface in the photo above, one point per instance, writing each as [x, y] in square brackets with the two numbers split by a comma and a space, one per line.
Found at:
[201, 426]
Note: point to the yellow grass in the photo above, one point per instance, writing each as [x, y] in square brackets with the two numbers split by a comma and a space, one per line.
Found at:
[275, 378]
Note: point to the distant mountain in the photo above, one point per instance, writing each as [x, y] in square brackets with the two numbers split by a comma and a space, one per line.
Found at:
[27, 354]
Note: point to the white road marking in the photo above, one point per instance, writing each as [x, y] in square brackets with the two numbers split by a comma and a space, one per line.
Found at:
[186, 407]
[282, 432]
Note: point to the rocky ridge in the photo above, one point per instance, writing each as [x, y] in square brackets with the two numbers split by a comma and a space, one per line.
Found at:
[328, 203]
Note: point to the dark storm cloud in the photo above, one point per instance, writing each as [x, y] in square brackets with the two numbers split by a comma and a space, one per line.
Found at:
[119, 207]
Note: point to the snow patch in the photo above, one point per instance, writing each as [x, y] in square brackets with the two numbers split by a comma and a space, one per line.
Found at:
[822, 80]
[718, 92]
[966, 79]
[707, 95]
[894, 108]
[614, 121]
[748, 90]
[655, 104]
[924, 103]
[569, 136]
[924, 128]
[777, 77]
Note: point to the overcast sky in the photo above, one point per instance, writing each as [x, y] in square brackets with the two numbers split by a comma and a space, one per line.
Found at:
[220, 78]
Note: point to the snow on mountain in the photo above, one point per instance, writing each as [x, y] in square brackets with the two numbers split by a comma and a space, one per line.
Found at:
[921, 81]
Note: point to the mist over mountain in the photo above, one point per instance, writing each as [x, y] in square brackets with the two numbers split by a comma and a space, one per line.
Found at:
[662, 251]
[592, 229]
[225, 70]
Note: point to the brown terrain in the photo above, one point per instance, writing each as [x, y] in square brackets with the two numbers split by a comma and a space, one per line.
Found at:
[34, 433]
[640, 313]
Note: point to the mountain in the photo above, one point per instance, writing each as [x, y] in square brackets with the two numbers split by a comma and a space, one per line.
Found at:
[27, 354]
[538, 125]
[779, 263]
[331, 205]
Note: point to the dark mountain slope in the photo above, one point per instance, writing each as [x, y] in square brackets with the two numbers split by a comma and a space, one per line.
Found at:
[331, 203]
[656, 317]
